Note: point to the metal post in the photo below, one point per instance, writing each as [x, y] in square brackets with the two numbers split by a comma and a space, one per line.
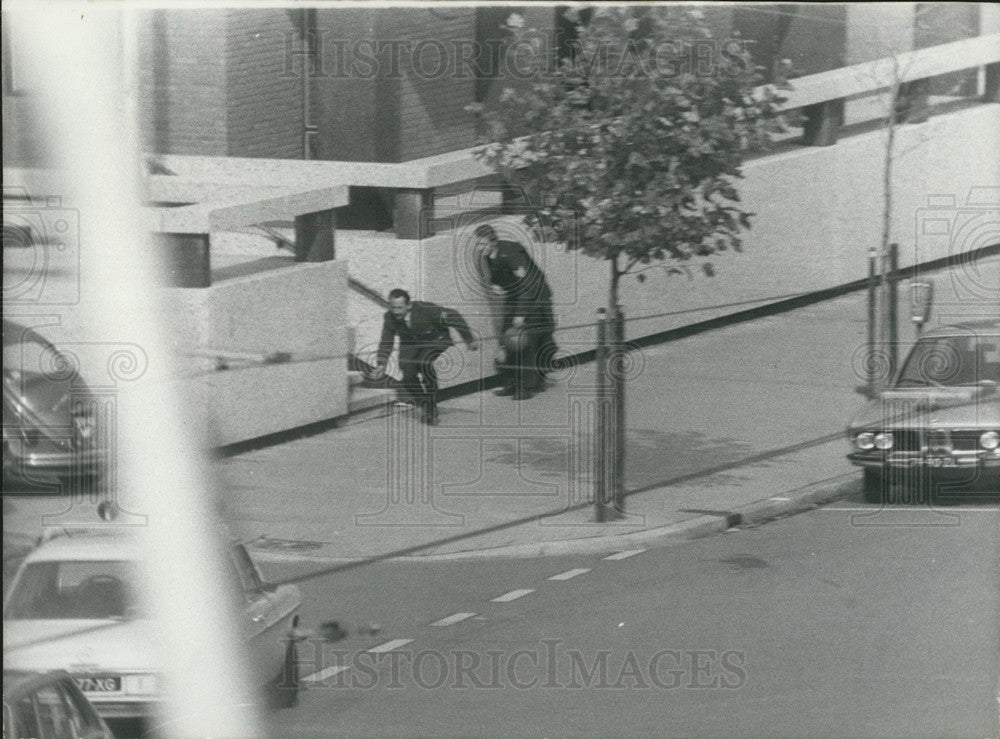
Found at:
[618, 378]
[870, 359]
[893, 317]
[600, 457]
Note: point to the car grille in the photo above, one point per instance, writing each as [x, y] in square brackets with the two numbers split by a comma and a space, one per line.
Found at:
[913, 440]
[906, 440]
[966, 441]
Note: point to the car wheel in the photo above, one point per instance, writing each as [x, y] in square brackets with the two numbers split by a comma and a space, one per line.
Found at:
[874, 486]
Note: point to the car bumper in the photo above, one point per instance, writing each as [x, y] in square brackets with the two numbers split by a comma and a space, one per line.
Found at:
[124, 709]
[58, 463]
[943, 462]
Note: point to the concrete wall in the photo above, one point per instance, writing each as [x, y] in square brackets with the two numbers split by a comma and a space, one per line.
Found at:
[818, 212]
[300, 310]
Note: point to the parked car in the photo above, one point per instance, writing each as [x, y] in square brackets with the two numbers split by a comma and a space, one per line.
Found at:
[938, 423]
[48, 705]
[50, 426]
[74, 605]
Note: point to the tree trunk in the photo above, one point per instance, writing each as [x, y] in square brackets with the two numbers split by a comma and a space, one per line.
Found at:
[884, 331]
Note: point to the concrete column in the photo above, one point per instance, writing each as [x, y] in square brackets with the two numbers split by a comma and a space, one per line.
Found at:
[823, 122]
[185, 259]
[315, 235]
[412, 212]
[913, 105]
[991, 91]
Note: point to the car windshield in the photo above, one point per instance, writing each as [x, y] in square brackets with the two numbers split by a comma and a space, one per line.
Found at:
[75, 590]
[29, 356]
[952, 361]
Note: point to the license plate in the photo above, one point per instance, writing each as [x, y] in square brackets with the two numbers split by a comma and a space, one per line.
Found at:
[100, 684]
[940, 462]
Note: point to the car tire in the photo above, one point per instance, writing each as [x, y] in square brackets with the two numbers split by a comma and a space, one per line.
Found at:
[874, 486]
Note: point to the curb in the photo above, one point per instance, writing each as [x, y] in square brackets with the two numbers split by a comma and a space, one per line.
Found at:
[751, 515]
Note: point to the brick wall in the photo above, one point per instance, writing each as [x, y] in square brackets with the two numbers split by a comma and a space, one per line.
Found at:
[183, 78]
[432, 93]
[263, 103]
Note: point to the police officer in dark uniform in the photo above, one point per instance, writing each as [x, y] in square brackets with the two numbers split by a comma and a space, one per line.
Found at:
[423, 331]
[527, 322]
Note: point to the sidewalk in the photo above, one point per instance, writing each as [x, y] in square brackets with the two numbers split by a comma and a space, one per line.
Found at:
[696, 409]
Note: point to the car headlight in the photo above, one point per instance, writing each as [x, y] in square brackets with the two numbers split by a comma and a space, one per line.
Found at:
[884, 440]
[990, 440]
[864, 441]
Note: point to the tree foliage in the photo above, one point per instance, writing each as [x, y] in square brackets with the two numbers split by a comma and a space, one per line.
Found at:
[640, 132]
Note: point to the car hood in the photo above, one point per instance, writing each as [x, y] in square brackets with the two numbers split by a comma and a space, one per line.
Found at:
[968, 407]
[81, 645]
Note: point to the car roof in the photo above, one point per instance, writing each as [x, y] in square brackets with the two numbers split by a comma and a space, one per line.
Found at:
[87, 544]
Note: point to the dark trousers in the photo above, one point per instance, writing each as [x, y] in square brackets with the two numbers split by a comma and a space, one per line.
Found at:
[524, 369]
[419, 376]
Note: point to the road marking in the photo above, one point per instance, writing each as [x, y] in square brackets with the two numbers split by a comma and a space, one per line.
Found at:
[453, 619]
[389, 646]
[625, 555]
[318, 677]
[512, 595]
[568, 574]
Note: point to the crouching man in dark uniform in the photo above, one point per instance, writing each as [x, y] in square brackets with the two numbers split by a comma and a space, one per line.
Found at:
[423, 331]
[528, 324]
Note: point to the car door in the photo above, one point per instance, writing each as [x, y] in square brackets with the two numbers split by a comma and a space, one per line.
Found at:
[269, 616]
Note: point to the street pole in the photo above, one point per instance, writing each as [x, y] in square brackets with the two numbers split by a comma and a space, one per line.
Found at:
[618, 377]
[870, 358]
[893, 317]
[600, 457]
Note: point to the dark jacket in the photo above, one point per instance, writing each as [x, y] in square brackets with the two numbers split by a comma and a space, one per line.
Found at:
[428, 329]
[528, 296]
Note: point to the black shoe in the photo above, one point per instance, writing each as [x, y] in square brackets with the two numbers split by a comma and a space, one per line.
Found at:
[504, 392]
[522, 395]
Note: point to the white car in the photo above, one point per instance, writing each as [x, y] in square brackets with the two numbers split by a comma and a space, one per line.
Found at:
[73, 605]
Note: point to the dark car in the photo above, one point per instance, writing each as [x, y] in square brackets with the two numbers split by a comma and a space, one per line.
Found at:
[936, 428]
[50, 429]
[49, 705]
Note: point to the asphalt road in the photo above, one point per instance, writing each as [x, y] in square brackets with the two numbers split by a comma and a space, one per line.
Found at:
[846, 621]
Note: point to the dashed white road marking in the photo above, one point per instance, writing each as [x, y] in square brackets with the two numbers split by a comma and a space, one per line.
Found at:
[625, 555]
[512, 595]
[389, 646]
[568, 574]
[318, 677]
[453, 619]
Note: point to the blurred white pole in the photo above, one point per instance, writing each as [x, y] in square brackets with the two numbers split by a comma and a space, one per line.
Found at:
[75, 55]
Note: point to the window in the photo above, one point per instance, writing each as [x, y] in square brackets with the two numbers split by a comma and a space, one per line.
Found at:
[75, 590]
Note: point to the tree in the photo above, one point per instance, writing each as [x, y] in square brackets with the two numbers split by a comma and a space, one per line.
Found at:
[639, 132]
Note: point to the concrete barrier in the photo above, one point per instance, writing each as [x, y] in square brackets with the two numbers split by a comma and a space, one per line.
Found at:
[266, 352]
